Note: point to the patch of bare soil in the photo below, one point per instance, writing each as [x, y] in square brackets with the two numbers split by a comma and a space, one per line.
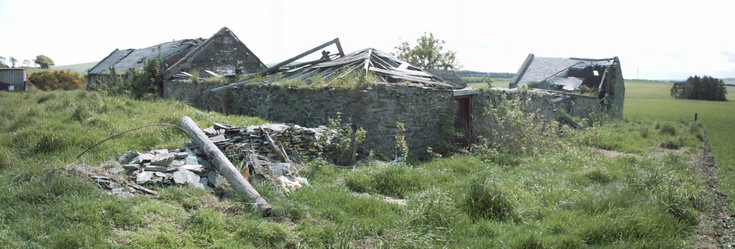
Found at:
[614, 154]
[716, 227]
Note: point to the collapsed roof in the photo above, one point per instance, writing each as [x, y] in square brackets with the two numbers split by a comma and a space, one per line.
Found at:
[567, 74]
[386, 67]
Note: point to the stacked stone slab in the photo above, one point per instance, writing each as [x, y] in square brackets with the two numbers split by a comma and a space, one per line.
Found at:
[235, 140]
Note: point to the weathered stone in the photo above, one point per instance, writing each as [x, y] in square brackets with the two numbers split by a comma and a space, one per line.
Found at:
[215, 179]
[144, 177]
[193, 168]
[191, 160]
[180, 155]
[127, 157]
[131, 166]
[163, 159]
[161, 151]
[177, 163]
[142, 158]
[184, 176]
[156, 168]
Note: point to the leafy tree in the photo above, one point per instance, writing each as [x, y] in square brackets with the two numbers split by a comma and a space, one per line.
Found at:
[13, 60]
[703, 88]
[52, 80]
[44, 61]
[428, 53]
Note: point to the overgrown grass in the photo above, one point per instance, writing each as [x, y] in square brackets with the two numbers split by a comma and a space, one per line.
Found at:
[651, 101]
[572, 197]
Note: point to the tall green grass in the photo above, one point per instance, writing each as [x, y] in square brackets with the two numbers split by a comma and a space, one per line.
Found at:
[569, 197]
[651, 101]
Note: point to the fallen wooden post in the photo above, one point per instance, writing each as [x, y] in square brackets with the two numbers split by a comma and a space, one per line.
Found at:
[224, 166]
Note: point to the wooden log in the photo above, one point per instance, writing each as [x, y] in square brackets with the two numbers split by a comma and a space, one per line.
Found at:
[224, 166]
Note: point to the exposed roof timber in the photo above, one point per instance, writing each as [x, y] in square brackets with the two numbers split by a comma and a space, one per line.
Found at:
[278, 66]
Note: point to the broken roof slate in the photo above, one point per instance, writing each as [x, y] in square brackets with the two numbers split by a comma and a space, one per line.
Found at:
[385, 66]
[109, 61]
[540, 69]
[123, 60]
[167, 50]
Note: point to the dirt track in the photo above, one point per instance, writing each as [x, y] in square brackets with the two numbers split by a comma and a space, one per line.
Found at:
[716, 226]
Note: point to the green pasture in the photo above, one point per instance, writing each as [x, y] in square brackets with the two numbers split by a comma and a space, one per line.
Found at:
[650, 101]
[571, 196]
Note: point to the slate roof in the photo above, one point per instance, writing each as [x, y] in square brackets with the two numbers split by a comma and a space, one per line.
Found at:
[109, 61]
[550, 70]
[122, 60]
[386, 67]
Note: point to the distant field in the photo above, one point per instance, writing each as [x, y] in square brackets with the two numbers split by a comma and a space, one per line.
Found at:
[646, 100]
[80, 68]
[481, 82]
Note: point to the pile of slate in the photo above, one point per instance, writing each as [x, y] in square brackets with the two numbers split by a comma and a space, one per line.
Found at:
[297, 141]
[273, 151]
[187, 166]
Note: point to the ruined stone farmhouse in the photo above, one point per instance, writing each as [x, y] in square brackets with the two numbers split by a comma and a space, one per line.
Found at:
[371, 89]
[222, 54]
[399, 92]
[602, 78]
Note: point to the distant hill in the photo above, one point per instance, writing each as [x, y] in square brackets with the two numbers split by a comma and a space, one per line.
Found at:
[729, 81]
[80, 68]
[468, 73]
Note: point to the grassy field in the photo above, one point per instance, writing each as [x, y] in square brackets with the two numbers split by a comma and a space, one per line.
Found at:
[570, 197]
[80, 68]
[650, 101]
[481, 82]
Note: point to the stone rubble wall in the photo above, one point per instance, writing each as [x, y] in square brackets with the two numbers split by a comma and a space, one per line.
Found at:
[423, 110]
[377, 109]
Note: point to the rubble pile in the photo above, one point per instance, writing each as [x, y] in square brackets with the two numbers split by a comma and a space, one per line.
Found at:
[186, 166]
[295, 140]
[273, 151]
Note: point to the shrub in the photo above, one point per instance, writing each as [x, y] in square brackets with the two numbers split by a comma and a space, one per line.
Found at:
[511, 128]
[346, 142]
[487, 199]
[53, 80]
[150, 81]
[401, 145]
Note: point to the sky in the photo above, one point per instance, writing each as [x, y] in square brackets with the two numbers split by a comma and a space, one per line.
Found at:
[663, 40]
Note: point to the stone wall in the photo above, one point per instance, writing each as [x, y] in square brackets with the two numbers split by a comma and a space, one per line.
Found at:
[376, 109]
[423, 110]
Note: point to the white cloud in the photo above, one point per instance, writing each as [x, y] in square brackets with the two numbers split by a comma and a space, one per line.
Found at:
[662, 39]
